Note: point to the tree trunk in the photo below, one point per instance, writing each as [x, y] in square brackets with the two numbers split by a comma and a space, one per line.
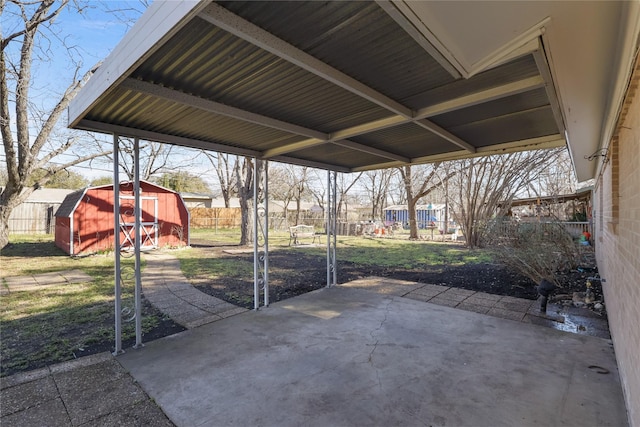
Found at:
[244, 179]
[9, 199]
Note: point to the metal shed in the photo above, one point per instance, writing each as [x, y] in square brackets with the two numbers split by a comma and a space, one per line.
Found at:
[85, 219]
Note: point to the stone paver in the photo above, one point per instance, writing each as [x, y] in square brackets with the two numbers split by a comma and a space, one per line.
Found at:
[40, 281]
[166, 288]
[505, 307]
[90, 391]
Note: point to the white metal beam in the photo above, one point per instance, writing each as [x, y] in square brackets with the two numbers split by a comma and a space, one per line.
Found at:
[310, 163]
[218, 108]
[443, 133]
[162, 137]
[372, 126]
[370, 150]
[550, 141]
[239, 27]
[289, 148]
[482, 96]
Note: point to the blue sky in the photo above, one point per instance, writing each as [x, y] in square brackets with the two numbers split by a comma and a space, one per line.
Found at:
[75, 37]
[92, 35]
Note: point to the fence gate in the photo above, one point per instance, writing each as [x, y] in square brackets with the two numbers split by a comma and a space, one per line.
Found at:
[148, 222]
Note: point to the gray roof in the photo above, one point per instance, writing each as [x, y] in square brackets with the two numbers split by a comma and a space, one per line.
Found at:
[69, 204]
[346, 86]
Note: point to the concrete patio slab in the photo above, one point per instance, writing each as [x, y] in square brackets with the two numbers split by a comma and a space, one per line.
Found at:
[348, 357]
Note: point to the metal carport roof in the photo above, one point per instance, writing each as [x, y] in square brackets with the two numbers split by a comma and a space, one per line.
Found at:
[345, 86]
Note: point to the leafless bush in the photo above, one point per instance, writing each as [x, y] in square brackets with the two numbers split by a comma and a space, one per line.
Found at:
[178, 231]
[537, 250]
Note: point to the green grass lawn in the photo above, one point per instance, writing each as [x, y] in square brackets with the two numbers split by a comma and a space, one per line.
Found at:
[405, 253]
[57, 323]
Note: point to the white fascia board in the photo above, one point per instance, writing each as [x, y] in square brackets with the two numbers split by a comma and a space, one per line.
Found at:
[159, 23]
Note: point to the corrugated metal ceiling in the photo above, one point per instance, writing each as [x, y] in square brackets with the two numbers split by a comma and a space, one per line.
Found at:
[339, 85]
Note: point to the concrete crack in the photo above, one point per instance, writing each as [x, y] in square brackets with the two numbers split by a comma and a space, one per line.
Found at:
[377, 341]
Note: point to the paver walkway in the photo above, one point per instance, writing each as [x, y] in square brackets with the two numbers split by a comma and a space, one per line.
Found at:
[165, 287]
[91, 391]
[37, 281]
[518, 309]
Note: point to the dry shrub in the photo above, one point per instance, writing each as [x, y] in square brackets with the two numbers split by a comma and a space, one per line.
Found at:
[537, 250]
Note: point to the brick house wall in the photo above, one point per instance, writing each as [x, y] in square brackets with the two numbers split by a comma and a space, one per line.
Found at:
[617, 201]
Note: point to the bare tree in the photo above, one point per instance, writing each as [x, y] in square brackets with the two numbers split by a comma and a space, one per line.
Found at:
[418, 185]
[317, 187]
[279, 185]
[297, 177]
[344, 183]
[32, 29]
[377, 185]
[290, 183]
[245, 179]
[155, 158]
[226, 166]
[484, 187]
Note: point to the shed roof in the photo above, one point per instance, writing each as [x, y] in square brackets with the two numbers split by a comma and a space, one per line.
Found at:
[70, 202]
[351, 86]
[68, 205]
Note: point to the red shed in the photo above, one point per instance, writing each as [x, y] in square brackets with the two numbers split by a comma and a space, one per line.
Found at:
[84, 220]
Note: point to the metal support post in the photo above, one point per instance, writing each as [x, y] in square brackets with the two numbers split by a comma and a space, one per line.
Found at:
[260, 233]
[138, 238]
[332, 268]
[116, 245]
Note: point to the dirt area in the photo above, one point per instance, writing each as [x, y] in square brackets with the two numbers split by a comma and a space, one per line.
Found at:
[295, 272]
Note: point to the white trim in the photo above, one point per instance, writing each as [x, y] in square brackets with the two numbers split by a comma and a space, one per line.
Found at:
[71, 233]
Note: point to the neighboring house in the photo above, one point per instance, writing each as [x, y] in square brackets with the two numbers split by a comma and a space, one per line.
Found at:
[194, 200]
[425, 214]
[85, 220]
[36, 214]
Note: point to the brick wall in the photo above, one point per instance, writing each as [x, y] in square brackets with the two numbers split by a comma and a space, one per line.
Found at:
[618, 244]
